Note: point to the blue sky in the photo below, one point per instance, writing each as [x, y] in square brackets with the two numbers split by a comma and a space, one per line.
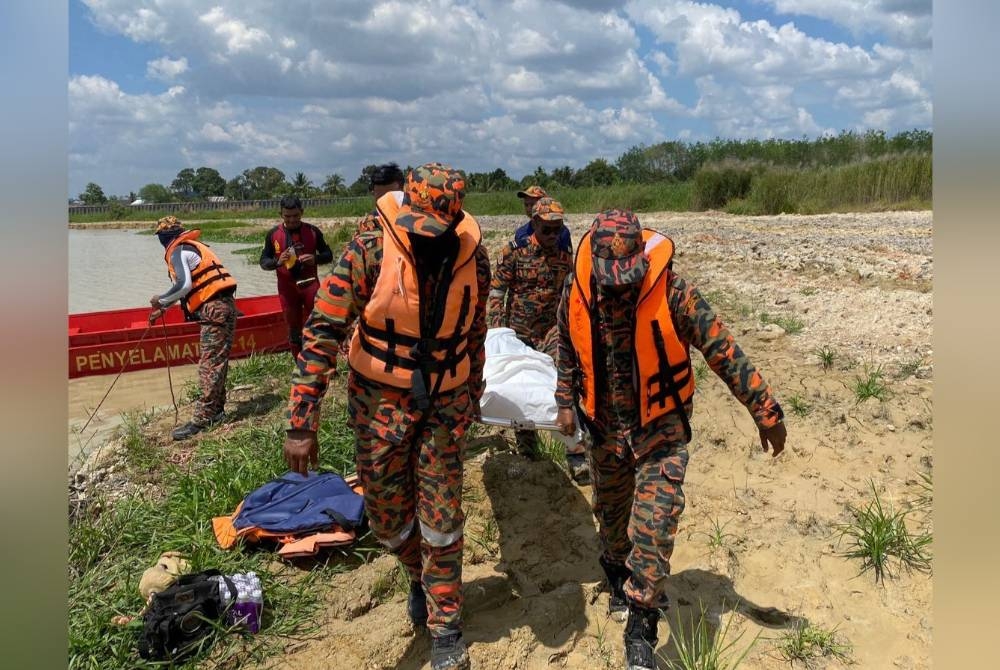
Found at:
[328, 87]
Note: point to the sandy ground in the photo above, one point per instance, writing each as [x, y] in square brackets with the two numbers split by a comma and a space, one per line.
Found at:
[859, 283]
[860, 286]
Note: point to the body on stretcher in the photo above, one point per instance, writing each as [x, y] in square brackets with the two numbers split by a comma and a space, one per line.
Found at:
[520, 387]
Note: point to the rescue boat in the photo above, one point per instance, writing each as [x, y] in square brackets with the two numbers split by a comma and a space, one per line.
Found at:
[118, 340]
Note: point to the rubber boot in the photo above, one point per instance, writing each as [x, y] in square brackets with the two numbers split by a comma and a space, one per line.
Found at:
[640, 638]
[617, 574]
[416, 605]
[448, 652]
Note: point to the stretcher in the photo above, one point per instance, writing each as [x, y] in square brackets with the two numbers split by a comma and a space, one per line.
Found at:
[520, 387]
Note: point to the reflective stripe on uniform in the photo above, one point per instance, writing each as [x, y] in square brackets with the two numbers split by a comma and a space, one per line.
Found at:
[438, 539]
[397, 541]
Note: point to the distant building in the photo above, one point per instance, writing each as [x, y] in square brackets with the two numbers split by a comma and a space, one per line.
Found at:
[216, 198]
[138, 201]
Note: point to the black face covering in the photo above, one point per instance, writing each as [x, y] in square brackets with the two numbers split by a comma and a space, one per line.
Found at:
[168, 236]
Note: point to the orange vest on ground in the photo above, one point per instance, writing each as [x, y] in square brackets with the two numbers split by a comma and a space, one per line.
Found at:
[661, 363]
[207, 280]
[388, 345]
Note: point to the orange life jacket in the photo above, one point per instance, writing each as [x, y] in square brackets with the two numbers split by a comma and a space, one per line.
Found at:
[388, 346]
[207, 280]
[661, 363]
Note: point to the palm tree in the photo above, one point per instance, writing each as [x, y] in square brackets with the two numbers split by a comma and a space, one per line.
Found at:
[301, 185]
[334, 184]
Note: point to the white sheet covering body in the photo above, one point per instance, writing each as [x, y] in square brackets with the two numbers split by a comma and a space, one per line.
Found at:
[520, 382]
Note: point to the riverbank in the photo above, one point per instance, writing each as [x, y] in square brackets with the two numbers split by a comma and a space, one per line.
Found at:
[836, 311]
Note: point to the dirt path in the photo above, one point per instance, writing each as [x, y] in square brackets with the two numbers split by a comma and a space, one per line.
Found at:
[855, 284]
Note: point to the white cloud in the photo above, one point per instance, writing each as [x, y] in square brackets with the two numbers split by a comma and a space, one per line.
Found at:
[236, 34]
[166, 69]
[907, 22]
[334, 85]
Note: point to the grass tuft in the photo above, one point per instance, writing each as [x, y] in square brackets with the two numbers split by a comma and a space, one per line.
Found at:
[701, 648]
[789, 324]
[878, 536]
[798, 405]
[806, 643]
[871, 385]
[716, 536]
[826, 357]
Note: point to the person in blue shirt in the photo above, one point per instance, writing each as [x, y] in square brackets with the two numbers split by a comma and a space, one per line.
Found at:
[529, 197]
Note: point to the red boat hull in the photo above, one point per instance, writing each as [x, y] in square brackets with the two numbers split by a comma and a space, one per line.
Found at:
[108, 342]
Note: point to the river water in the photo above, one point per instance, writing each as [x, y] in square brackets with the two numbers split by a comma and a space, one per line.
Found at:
[116, 269]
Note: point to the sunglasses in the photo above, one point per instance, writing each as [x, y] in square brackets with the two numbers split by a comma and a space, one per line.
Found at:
[549, 230]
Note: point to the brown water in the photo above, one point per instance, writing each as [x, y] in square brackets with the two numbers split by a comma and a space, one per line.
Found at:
[116, 269]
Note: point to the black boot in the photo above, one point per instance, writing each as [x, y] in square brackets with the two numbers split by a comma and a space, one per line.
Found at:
[189, 429]
[416, 605]
[448, 652]
[617, 574]
[640, 638]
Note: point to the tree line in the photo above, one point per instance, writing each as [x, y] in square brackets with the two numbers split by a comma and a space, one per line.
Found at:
[671, 161]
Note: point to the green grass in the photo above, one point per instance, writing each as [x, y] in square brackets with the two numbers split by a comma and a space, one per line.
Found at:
[798, 405]
[488, 537]
[109, 551]
[806, 643]
[700, 648]
[701, 371]
[716, 535]
[788, 323]
[551, 447]
[393, 583]
[258, 370]
[871, 384]
[750, 187]
[878, 537]
[826, 357]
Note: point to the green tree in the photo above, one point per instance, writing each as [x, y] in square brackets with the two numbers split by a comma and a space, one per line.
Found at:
[93, 195]
[633, 165]
[183, 184]
[237, 189]
[263, 182]
[155, 193]
[334, 185]
[301, 185]
[207, 181]
[597, 172]
[360, 185]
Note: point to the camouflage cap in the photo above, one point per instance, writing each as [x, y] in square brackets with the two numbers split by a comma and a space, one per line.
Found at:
[432, 198]
[533, 191]
[616, 243]
[548, 209]
[168, 224]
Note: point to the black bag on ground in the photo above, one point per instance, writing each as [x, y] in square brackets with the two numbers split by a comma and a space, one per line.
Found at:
[181, 615]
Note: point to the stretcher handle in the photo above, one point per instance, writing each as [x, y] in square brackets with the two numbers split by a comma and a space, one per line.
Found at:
[519, 424]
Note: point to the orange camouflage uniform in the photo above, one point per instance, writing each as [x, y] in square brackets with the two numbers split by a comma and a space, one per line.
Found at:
[409, 460]
[638, 471]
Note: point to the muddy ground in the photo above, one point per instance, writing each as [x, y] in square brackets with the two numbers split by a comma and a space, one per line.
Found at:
[855, 284]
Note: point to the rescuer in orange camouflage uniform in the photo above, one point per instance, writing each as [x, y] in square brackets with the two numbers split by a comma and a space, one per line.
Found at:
[626, 322]
[419, 289]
